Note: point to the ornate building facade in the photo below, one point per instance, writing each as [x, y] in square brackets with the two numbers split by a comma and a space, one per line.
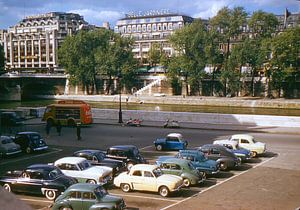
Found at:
[32, 44]
[150, 28]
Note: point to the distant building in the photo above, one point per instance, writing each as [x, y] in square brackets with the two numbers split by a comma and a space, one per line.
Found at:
[32, 44]
[152, 27]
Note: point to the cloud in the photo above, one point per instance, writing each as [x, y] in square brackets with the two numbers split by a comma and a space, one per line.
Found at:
[208, 9]
[97, 17]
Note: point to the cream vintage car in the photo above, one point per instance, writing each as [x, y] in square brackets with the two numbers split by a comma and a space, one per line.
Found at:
[83, 171]
[248, 142]
[145, 177]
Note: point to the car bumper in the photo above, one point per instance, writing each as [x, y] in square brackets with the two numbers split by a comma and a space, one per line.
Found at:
[13, 153]
[40, 148]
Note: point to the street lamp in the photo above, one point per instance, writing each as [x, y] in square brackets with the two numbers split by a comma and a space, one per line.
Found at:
[120, 98]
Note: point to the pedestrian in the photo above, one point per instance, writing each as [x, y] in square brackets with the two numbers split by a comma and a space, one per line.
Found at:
[78, 131]
[48, 127]
[58, 127]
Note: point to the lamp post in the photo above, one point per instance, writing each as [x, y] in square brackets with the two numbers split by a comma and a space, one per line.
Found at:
[120, 98]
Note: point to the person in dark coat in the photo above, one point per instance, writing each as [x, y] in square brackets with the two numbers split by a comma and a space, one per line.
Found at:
[48, 127]
[78, 131]
[58, 127]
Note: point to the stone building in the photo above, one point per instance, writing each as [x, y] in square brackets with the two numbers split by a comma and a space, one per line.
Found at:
[32, 44]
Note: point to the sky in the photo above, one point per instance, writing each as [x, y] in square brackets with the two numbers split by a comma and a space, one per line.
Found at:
[98, 11]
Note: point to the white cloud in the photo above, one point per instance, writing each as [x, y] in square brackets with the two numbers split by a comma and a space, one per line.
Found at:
[98, 17]
[208, 9]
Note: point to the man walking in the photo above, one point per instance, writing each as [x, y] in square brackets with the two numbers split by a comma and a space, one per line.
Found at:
[58, 127]
[78, 131]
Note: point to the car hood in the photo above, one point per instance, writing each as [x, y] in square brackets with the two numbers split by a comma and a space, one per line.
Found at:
[65, 180]
[99, 170]
[169, 178]
[241, 151]
[110, 199]
[10, 146]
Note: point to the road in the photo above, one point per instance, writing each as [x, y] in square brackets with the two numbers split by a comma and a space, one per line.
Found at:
[271, 181]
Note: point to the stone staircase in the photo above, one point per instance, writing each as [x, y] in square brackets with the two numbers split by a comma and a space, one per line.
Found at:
[153, 87]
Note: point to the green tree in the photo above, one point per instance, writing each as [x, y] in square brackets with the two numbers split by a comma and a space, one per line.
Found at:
[190, 60]
[2, 58]
[285, 61]
[154, 54]
[77, 56]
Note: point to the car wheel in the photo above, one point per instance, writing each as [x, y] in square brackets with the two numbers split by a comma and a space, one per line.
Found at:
[28, 150]
[129, 165]
[50, 194]
[223, 166]
[186, 182]
[91, 181]
[253, 154]
[158, 147]
[7, 187]
[164, 191]
[65, 208]
[125, 187]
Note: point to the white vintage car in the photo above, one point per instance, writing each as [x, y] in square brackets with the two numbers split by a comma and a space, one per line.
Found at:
[147, 177]
[83, 171]
[248, 142]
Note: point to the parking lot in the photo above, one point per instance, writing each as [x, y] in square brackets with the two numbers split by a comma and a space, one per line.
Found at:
[271, 181]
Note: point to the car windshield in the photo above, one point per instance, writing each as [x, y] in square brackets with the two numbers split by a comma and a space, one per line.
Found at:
[100, 156]
[55, 173]
[84, 165]
[191, 167]
[100, 192]
[6, 140]
[36, 138]
[157, 172]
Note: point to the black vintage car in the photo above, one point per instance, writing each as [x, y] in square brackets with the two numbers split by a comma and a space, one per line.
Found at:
[222, 155]
[39, 179]
[10, 119]
[129, 154]
[98, 157]
[30, 141]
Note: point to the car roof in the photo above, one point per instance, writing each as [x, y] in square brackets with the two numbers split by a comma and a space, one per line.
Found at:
[124, 147]
[71, 160]
[190, 151]
[226, 142]
[144, 167]
[179, 135]
[214, 146]
[83, 187]
[245, 136]
[28, 132]
[176, 160]
[88, 151]
[41, 166]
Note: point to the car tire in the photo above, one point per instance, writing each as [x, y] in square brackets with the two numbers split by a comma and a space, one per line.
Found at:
[164, 191]
[28, 150]
[223, 166]
[50, 194]
[125, 187]
[253, 154]
[186, 182]
[65, 208]
[159, 147]
[91, 181]
[7, 187]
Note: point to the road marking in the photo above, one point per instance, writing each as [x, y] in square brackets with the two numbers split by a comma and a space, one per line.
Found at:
[218, 183]
[35, 200]
[26, 158]
[145, 197]
[146, 147]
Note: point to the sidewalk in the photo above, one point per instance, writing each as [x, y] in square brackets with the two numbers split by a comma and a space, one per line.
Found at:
[201, 126]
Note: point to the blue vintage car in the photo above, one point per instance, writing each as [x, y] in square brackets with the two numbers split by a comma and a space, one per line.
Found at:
[243, 154]
[197, 158]
[173, 141]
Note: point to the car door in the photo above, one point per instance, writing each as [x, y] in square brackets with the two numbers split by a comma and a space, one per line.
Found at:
[137, 180]
[149, 181]
[173, 143]
[21, 140]
[75, 199]
[30, 182]
[88, 199]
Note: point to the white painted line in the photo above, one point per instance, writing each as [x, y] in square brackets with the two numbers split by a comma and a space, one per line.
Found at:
[35, 200]
[26, 158]
[217, 184]
[146, 147]
[145, 197]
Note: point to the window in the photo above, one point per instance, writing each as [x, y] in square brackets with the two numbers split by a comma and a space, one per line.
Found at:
[172, 139]
[147, 174]
[175, 167]
[89, 196]
[137, 173]
[244, 141]
[215, 151]
[75, 194]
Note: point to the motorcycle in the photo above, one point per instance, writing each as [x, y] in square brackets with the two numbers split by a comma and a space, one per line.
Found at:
[172, 124]
[134, 122]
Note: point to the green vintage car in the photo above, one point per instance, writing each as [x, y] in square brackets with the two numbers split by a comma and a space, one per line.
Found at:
[87, 196]
[184, 169]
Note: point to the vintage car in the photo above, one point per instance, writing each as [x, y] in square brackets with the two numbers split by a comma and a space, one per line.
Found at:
[183, 168]
[87, 196]
[8, 147]
[129, 154]
[98, 157]
[11, 119]
[83, 171]
[248, 142]
[221, 155]
[145, 177]
[42, 179]
[243, 154]
[173, 141]
[30, 141]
